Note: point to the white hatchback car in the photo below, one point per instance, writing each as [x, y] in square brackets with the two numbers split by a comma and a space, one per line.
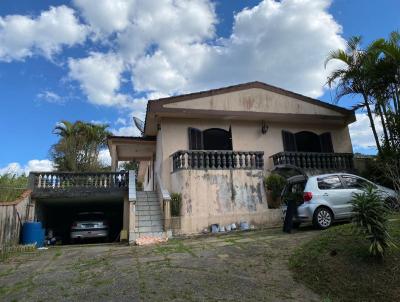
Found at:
[321, 199]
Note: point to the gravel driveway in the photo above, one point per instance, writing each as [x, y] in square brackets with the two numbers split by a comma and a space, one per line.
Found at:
[246, 266]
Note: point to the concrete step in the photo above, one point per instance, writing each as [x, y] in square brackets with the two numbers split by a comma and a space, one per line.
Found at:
[154, 217]
[148, 212]
[146, 193]
[148, 207]
[149, 229]
[148, 223]
[150, 202]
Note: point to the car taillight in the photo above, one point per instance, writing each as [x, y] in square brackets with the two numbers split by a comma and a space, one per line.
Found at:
[307, 196]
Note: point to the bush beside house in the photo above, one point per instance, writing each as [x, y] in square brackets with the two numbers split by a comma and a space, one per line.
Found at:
[274, 184]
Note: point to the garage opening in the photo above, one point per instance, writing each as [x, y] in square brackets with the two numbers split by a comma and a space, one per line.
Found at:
[61, 217]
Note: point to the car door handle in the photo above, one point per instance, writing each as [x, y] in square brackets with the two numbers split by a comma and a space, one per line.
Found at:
[325, 194]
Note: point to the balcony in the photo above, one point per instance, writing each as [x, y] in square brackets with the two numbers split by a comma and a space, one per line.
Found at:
[313, 160]
[217, 160]
[70, 184]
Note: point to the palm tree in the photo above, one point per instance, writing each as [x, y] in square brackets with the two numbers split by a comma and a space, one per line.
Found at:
[353, 78]
[79, 145]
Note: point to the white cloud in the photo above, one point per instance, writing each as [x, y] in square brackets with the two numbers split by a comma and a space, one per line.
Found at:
[39, 165]
[120, 121]
[361, 132]
[43, 165]
[282, 43]
[105, 16]
[12, 168]
[24, 36]
[100, 78]
[156, 73]
[105, 157]
[50, 97]
[166, 47]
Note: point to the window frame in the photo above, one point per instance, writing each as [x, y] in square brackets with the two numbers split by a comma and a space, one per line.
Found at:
[335, 175]
[342, 177]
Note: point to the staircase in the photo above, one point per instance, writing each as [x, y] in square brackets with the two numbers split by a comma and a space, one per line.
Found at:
[149, 221]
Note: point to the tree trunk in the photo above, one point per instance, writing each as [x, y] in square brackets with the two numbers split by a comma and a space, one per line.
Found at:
[371, 120]
[385, 133]
[385, 113]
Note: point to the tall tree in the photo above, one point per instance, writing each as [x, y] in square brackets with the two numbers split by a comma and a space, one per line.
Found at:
[353, 77]
[79, 146]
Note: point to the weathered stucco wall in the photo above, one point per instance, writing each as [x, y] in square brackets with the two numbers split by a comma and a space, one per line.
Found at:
[254, 100]
[223, 197]
[246, 136]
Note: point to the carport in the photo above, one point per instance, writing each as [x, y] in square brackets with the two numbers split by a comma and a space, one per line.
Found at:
[59, 197]
[59, 214]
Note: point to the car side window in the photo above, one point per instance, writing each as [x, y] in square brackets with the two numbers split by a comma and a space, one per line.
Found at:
[329, 183]
[356, 183]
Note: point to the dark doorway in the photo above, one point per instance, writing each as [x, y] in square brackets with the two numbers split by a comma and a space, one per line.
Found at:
[217, 139]
[307, 142]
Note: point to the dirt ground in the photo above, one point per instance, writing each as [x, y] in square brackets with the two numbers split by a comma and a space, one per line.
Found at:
[242, 266]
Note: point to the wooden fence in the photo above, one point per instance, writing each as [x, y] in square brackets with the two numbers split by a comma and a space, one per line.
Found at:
[12, 215]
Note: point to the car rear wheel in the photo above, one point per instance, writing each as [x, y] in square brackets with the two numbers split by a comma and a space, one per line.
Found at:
[323, 218]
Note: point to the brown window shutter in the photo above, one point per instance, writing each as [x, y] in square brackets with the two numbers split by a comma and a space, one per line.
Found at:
[289, 141]
[195, 139]
[326, 142]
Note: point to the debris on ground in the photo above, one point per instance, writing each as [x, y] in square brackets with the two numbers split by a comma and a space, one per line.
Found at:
[147, 240]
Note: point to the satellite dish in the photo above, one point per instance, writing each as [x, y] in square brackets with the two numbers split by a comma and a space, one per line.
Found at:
[139, 124]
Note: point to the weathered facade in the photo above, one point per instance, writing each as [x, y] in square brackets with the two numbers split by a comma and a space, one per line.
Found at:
[216, 147]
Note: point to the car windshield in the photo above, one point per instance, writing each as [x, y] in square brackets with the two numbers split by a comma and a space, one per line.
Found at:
[90, 216]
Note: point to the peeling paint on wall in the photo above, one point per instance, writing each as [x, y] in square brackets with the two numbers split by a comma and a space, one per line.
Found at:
[220, 196]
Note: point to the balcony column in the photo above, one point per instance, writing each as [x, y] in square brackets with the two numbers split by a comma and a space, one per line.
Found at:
[114, 158]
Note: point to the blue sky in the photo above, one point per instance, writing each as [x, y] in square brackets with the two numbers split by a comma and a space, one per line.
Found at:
[77, 60]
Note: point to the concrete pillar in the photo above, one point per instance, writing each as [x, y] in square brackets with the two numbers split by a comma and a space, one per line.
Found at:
[114, 158]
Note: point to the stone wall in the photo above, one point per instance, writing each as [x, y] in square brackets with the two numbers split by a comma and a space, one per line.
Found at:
[223, 197]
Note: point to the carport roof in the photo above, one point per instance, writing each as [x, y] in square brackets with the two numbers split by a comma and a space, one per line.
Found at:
[126, 148]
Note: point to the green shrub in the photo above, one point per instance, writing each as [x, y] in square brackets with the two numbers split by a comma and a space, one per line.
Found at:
[275, 183]
[176, 201]
[12, 186]
[370, 219]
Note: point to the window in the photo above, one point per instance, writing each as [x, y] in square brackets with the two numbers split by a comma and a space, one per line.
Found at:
[329, 183]
[210, 139]
[306, 141]
[352, 182]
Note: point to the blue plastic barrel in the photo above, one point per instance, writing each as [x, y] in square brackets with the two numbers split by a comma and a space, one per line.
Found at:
[32, 232]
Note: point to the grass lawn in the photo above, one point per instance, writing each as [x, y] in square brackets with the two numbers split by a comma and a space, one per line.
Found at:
[336, 264]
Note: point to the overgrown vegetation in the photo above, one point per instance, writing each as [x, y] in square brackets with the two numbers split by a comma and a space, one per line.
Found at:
[12, 186]
[275, 184]
[371, 220]
[373, 74]
[79, 146]
[338, 266]
[176, 201]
